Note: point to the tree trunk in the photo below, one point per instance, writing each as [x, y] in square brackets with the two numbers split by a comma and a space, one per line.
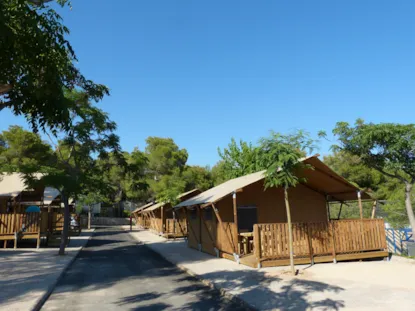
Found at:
[290, 231]
[65, 231]
[89, 217]
[408, 205]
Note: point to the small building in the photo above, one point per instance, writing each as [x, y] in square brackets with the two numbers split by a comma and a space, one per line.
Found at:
[164, 220]
[28, 213]
[141, 219]
[242, 221]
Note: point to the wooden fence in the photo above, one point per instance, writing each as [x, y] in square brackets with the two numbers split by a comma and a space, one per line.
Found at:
[155, 224]
[318, 239]
[14, 226]
[31, 225]
[176, 227]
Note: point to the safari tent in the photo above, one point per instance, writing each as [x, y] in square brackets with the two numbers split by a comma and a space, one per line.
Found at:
[242, 221]
[141, 219]
[164, 220]
[28, 213]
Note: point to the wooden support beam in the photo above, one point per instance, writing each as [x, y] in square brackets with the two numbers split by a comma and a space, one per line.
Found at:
[231, 243]
[374, 208]
[189, 226]
[180, 226]
[162, 214]
[359, 199]
[340, 211]
[207, 229]
[328, 209]
[235, 212]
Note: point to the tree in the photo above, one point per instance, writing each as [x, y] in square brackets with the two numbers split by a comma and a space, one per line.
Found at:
[19, 147]
[124, 174]
[355, 171]
[89, 200]
[164, 156]
[169, 187]
[218, 173]
[38, 64]
[197, 177]
[239, 160]
[281, 155]
[74, 170]
[388, 148]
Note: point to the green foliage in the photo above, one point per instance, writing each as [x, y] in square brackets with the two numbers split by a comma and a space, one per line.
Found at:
[22, 148]
[38, 64]
[197, 177]
[281, 155]
[386, 147]
[72, 168]
[169, 187]
[124, 175]
[218, 173]
[238, 160]
[389, 149]
[164, 156]
[354, 170]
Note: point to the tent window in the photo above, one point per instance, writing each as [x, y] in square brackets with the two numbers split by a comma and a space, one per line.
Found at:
[247, 217]
[193, 214]
[207, 213]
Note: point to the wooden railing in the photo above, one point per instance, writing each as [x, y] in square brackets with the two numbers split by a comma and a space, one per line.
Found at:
[322, 238]
[8, 223]
[27, 223]
[176, 226]
[155, 224]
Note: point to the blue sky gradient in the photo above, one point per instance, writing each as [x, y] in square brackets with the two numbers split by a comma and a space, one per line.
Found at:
[203, 72]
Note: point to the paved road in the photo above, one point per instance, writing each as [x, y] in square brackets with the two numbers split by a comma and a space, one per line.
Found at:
[114, 272]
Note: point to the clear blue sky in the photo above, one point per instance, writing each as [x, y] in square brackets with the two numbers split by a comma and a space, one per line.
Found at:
[203, 72]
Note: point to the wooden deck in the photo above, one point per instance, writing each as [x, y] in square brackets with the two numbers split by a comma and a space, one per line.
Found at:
[320, 242]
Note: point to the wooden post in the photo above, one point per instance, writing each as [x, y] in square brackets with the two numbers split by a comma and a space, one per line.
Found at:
[290, 230]
[340, 210]
[174, 224]
[257, 244]
[333, 241]
[374, 208]
[235, 211]
[199, 214]
[38, 234]
[328, 208]
[359, 199]
[162, 219]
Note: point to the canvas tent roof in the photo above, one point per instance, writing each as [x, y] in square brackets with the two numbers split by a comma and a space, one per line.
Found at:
[321, 179]
[160, 204]
[143, 207]
[11, 185]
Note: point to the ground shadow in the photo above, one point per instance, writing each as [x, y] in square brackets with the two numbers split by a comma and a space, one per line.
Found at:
[113, 259]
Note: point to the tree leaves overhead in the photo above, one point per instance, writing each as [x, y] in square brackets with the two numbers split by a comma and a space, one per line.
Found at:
[239, 159]
[388, 148]
[281, 155]
[38, 64]
[272, 152]
[164, 156]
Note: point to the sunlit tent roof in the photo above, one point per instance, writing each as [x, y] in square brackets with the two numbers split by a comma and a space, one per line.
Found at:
[11, 185]
[160, 204]
[143, 207]
[321, 179]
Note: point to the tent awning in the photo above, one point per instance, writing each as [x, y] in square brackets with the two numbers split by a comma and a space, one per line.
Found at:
[321, 179]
